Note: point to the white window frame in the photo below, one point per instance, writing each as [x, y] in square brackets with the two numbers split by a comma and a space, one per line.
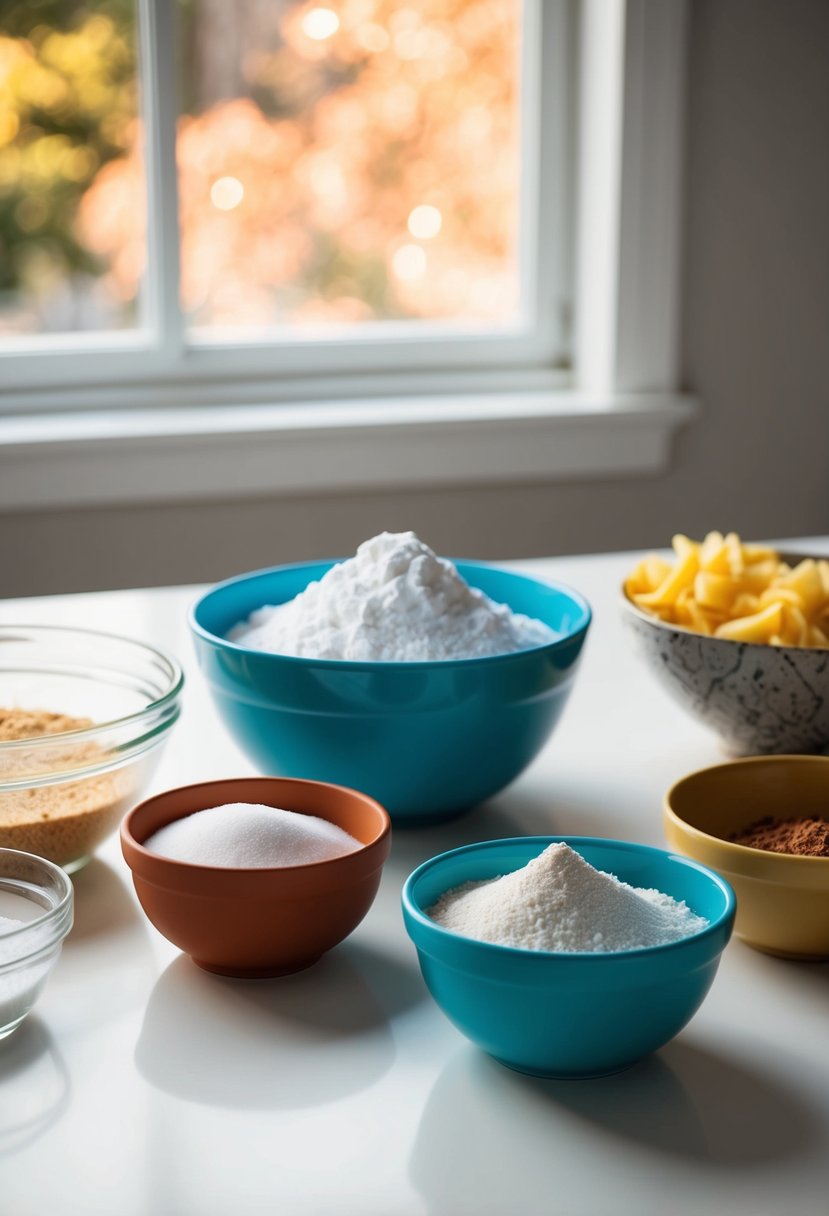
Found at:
[84, 426]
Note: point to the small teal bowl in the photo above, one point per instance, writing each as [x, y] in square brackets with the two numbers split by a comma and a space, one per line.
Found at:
[428, 740]
[569, 1014]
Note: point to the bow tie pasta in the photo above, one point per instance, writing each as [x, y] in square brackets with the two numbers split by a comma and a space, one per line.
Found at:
[727, 589]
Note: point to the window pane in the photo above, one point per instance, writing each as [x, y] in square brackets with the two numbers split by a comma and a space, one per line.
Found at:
[350, 161]
[71, 178]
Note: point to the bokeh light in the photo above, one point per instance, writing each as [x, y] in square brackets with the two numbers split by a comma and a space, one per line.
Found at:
[226, 193]
[424, 222]
[320, 23]
[409, 263]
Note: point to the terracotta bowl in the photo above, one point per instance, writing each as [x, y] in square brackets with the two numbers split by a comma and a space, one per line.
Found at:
[258, 922]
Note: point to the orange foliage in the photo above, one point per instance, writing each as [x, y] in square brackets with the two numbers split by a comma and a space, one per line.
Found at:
[304, 215]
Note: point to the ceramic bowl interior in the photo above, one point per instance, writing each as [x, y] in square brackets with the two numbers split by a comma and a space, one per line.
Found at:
[36, 900]
[427, 739]
[782, 900]
[62, 793]
[267, 921]
[759, 699]
[568, 1014]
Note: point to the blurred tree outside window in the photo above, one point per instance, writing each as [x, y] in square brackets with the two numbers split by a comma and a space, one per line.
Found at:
[339, 163]
[68, 125]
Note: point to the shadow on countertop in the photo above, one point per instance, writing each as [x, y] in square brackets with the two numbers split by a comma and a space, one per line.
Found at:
[518, 811]
[104, 907]
[685, 1104]
[109, 937]
[35, 1085]
[298, 1041]
[412, 845]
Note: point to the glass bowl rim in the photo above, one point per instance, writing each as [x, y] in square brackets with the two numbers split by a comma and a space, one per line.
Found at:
[86, 732]
[58, 915]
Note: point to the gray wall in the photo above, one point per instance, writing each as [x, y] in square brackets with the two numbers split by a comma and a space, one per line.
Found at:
[756, 351]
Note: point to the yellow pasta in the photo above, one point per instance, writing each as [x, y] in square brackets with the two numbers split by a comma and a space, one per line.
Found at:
[726, 589]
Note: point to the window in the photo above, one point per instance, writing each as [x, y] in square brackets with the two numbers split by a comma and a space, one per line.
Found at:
[342, 311]
[279, 189]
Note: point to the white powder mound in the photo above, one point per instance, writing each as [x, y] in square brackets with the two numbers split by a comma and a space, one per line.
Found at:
[394, 602]
[8, 925]
[249, 835]
[560, 902]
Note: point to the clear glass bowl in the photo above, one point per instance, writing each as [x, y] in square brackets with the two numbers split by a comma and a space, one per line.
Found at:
[39, 894]
[62, 793]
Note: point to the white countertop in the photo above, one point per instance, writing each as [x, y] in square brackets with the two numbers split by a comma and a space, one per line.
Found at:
[142, 1086]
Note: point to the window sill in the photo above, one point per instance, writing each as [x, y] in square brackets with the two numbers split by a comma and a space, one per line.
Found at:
[142, 456]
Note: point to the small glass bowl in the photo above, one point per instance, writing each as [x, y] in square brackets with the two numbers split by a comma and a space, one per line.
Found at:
[61, 794]
[40, 894]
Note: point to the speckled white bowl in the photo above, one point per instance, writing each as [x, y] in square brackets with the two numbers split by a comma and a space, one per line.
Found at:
[759, 699]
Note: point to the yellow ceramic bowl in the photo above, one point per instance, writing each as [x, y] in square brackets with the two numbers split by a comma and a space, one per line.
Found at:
[782, 900]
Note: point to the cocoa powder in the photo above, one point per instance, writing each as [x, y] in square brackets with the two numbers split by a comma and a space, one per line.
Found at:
[805, 837]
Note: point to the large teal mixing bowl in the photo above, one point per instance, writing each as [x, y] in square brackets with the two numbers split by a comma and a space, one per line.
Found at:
[557, 1014]
[426, 739]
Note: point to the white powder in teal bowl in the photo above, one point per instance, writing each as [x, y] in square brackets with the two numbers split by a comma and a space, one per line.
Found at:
[394, 601]
[247, 835]
[560, 902]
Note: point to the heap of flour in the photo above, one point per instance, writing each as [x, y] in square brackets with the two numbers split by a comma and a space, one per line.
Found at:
[560, 902]
[395, 601]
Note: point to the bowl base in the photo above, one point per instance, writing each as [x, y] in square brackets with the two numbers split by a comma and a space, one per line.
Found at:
[256, 973]
[802, 747]
[794, 955]
[552, 1075]
[10, 1027]
[431, 819]
[72, 867]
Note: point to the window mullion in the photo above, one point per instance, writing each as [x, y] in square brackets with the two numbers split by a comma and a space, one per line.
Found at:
[633, 60]
[162, 310]
[545, 112]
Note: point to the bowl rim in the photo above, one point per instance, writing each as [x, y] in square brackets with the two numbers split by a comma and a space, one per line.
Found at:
[239, 873]
[600, 957]
[731, 847]
[651, 619]
[86, 732]
[59, 916]
[373, 664]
